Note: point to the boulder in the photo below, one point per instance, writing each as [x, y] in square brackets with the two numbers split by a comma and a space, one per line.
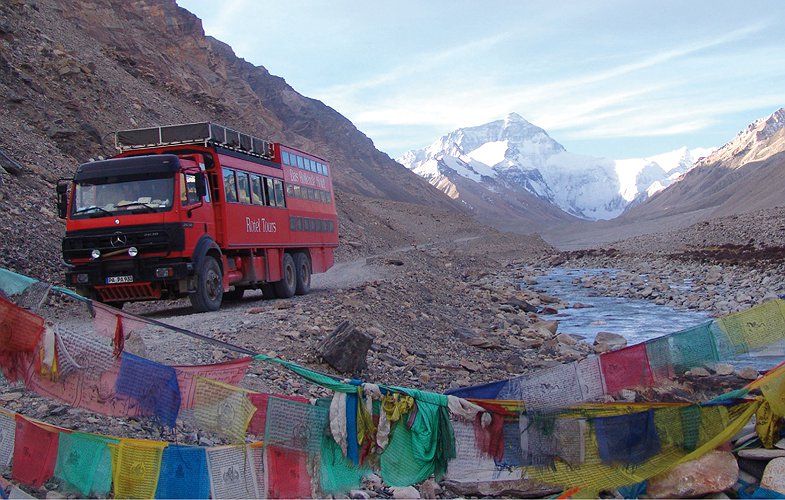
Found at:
[774, 476]
[612, 340]
[346, 348]
[713, 472]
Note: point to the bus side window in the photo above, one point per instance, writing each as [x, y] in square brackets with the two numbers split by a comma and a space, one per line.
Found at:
[229, 185]
[257, 198]
[269, 191]
[280, 200]
[243, 193]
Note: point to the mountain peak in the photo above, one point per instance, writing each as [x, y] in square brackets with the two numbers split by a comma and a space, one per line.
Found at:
[513, 117]
[761, 139]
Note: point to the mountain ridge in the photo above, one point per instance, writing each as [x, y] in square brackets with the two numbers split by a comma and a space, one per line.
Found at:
[523, 157]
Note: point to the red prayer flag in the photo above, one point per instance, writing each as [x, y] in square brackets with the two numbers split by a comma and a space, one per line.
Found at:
[35, 452]
[628, 367]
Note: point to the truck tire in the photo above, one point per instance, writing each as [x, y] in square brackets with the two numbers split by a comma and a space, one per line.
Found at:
[288, 284]
[209, 286]
[303, 265]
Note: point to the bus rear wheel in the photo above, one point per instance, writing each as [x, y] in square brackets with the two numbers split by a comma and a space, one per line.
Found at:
[209, 286]
[303, 265]
[288, 284]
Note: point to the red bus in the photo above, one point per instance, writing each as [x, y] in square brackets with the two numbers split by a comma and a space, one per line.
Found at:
[198, 210]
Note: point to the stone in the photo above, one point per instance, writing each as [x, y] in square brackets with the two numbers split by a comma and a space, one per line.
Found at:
[551, 325]
[346, 348]
[470, 365]
[761, 453]
[429, 488]
[724, 369]
[581, 305]
[774, 476]
[405, 492]
[713, 472]
[699, 371]
[747, 373]
[567, 339]
[614, 340]
[372, 481]
[359, 494]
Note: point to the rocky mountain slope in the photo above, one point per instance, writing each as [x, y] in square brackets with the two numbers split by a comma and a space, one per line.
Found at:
[72, 72]
[745, 174]
[514, 156]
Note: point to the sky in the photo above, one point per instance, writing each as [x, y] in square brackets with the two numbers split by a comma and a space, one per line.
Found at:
[612, 78]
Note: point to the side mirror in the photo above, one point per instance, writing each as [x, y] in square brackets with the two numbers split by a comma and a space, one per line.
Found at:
[62, 200]
[201, 185]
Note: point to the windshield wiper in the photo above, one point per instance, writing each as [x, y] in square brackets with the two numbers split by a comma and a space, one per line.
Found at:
[89, 209]
[137, 204]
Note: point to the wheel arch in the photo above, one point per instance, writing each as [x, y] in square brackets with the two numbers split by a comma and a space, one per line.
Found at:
[207, 246]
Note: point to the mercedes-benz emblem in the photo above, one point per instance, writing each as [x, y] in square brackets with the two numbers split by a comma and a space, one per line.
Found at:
[118, 240]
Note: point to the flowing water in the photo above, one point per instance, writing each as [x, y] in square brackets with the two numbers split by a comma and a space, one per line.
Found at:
[635, 319]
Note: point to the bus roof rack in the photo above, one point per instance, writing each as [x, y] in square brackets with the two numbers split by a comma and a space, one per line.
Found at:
[204, 133]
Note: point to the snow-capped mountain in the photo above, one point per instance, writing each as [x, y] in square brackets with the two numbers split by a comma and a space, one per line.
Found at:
[515, 155]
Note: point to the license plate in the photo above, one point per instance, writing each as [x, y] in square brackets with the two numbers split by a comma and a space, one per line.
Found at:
[119, 279]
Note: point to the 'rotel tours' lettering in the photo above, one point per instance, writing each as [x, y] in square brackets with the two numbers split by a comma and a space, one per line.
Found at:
[259, 225]
[307, 179]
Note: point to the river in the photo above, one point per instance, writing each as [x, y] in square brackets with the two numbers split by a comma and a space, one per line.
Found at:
[637, 320]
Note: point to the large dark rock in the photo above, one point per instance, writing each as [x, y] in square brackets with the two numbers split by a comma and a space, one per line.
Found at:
[346, 348]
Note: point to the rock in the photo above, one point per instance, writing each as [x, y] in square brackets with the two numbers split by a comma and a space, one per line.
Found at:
[346, 348]
[547, 299]
[551, 325]
[567, 339]
[724, 369]
[405, 492]
[761, 453]
[613, 340]
[747, 373]
[581, 305]
[429, 488]
[359, 494]
[714, 472]
[699, 371]
[774, 476]
[470, 365]
[372, 481]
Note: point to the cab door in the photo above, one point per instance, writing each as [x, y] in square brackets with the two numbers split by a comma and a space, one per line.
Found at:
[196, 211]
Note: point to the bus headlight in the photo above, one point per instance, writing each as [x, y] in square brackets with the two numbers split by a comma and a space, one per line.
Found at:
[95, 253]
[133, 251]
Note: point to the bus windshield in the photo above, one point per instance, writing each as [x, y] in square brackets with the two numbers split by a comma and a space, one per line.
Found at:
[122, 196]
